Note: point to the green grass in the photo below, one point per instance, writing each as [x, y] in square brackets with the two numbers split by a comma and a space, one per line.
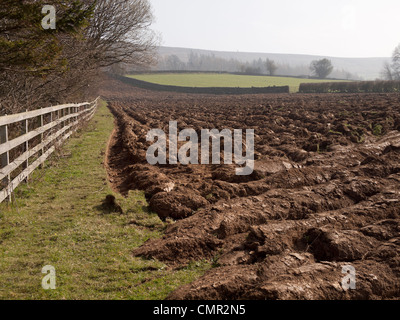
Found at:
[377, 130]
[57, 220]
[223, 80]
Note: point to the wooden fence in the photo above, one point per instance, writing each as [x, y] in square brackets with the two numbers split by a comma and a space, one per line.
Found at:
[56, 124]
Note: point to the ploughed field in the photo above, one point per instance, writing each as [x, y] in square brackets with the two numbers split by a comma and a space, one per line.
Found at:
[325, 192]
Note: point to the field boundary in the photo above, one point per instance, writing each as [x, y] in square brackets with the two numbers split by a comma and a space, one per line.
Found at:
[232, 73]
[199, 90]
[380, 86]
[56, 125]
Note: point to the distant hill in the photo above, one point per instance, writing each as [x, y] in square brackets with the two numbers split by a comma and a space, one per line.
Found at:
[366, 68]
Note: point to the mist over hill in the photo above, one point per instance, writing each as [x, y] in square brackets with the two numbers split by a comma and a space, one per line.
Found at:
[291, 64]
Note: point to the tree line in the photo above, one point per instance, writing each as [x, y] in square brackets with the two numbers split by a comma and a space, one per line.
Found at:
[209, 62]
[39, 67]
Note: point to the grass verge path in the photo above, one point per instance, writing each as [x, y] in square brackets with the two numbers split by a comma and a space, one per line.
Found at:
[58, 220]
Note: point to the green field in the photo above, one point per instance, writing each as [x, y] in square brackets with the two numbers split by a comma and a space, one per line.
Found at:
[223, 80]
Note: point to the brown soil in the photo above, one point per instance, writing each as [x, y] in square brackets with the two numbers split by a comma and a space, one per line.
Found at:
[325, 192]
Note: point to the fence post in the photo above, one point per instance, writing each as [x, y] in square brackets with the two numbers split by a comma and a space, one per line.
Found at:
[41, 138]
[5, 157]
[26, 145]
[76, 118]
[58, 120]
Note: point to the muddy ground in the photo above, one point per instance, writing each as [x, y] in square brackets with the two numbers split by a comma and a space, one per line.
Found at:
[325, 192]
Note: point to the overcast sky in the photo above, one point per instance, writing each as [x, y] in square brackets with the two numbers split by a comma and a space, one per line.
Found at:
[340, 28]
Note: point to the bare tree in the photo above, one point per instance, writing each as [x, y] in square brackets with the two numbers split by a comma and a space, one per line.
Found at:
[392, 71]
[321, 68]
[174, 63]
[396, 63]
[387, 71]
[271, 67]
[119, 32]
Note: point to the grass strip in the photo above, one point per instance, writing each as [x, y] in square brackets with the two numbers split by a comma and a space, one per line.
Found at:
[58, 220]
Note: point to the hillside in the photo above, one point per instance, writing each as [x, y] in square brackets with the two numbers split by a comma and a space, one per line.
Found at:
[366, 68]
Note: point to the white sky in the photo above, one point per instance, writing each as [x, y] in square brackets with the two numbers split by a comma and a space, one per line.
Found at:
[340, 28]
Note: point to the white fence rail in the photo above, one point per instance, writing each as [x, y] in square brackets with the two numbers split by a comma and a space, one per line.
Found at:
[62, 121]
